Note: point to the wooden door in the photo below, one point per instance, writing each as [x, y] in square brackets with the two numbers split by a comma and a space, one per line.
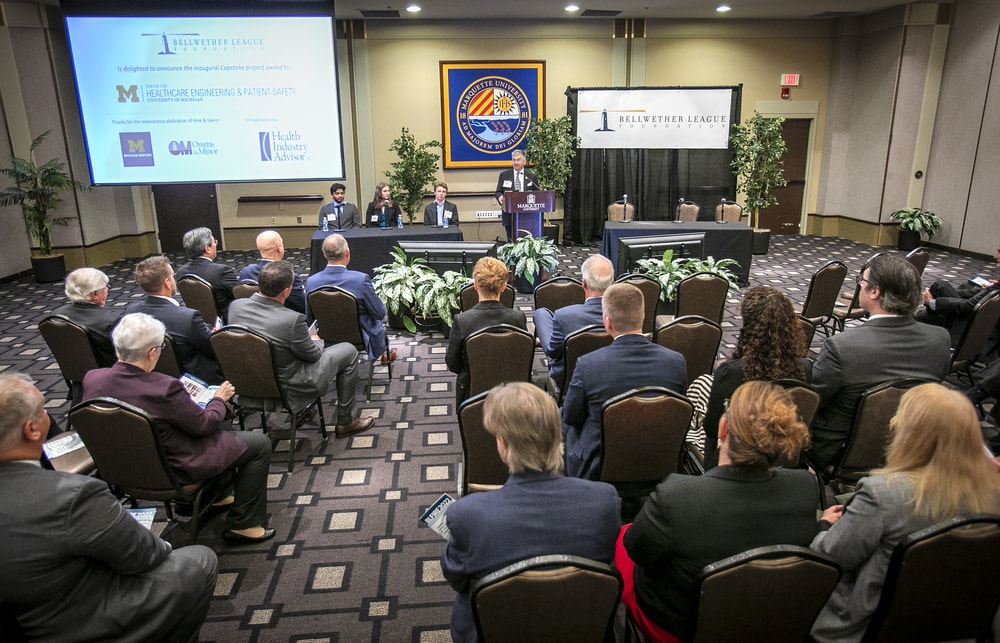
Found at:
[784, 218]
[184, 206]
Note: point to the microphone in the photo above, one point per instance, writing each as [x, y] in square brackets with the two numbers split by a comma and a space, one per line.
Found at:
[625, 200]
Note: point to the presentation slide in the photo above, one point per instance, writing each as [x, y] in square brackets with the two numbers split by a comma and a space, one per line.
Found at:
[187, 99]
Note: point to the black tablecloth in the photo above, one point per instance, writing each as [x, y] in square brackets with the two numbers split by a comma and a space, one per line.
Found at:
[722, 240]
[372, 247]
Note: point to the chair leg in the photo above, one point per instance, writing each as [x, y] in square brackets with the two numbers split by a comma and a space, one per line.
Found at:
[371, 371]
[322, 420]
[291, 442]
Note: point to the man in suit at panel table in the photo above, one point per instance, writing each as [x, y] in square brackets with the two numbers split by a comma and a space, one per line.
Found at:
[553, 327]
[371, 309]
[516, 179]
[76, 566]
[304, 367]
[440, 211]
[888, 346]
[201, 248]
[186, 326]
[272, 248]
[340, 215]
[630, 361]
[536, 512]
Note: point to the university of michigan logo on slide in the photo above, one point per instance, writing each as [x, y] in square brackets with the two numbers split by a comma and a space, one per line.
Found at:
[493, 114]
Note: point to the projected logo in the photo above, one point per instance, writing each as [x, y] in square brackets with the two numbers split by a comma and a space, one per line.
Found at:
[137, 149]
[282, 146]
[493, 114]
[192, 148]
[165, 37]
[127, 94]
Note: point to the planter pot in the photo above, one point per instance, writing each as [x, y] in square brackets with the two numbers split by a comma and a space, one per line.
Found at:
[49, 269]
[427, 324]
[907, 240]
[761, 242]
[396, 322]
[551, 232]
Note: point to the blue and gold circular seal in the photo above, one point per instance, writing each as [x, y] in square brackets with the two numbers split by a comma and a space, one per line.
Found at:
[493, 115]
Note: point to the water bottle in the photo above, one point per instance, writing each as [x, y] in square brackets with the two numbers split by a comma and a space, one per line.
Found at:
[326, 224]
[399, 220]
[444, 219]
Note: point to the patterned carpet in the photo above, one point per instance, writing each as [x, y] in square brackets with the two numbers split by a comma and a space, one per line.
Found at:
[350, 561]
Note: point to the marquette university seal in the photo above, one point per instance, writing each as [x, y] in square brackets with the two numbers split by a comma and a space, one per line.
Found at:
[493, 114]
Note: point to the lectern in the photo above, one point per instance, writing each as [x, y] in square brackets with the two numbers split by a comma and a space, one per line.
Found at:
[526, 209]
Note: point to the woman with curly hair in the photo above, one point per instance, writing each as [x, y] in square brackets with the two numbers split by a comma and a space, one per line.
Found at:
[745, 502]
[770, 346]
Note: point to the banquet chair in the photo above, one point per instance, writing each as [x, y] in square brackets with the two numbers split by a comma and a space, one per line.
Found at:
[728, 211]
[620, 211]
[686, 210]
[821, 298]
[469, 297]
[73, 349]
[495, 354]
[482, 468]
[577, 344]
[694, 337]
[650, 295]
[197, 294]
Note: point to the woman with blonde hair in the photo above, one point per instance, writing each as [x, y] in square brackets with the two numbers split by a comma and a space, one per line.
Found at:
[936, 468]
[691, 521]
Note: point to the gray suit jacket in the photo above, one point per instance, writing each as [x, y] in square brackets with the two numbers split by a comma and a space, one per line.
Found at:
[883, 349]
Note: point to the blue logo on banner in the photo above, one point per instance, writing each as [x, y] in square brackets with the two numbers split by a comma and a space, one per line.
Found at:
[137, 149]
[265, 145]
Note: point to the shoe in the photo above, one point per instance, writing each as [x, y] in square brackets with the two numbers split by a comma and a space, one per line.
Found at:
[391, 358]
[976, 394]
[357, 425]
[240, 539]
[306, 415]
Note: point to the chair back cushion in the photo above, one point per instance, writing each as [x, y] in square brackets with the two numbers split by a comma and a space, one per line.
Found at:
[617, 212]
[728, 211]
[245, 289]
[650, 295]
[919, 258]
[483, 466]
[978, 329]
[70, 345]
[579, 343]
[496, 354]
[824, 290]
[197, 294]
[642, 434]
[687, 211]
[168, 364]
[702, 294]
[337, 317]
[469, 297]
[247, 362]
[558, 292]
[694, 337]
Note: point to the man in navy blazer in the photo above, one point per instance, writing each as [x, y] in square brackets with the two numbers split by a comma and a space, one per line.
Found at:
[551, 328]
[201, 248]
[440, 211]
[630, 361]
[536, 512]
[272, 248]
[516, 179]
[188, 330]
[370, 308]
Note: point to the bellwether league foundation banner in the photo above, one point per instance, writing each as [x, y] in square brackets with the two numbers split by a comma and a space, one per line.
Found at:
[689, 118]
[487, 108]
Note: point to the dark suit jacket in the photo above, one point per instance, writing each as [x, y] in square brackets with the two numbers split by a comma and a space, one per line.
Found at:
[952, 306]
[564, 321]
[392, 214]
[431, 213]
[193, 438]
[350, 218]
[370, 307]
[630, 361]
[190, 334]
[483, 315]
[533, 514]
[219, 275]
[691, 521]
[99, 322]
[76, 566]
[882, 349]
[296, 300]
[505, 182]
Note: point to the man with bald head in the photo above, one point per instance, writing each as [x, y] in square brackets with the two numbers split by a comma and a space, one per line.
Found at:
[371, 309]
[272, 248]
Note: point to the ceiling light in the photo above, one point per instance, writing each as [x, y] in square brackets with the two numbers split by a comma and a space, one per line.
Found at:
[571, 8]
[723, 8]
[413, 8]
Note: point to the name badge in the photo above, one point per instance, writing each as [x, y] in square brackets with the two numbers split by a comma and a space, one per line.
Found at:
[447, 214]
[374, 218]
[508, 184]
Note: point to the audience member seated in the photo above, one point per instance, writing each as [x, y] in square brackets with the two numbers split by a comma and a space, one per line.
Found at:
[186, 326]
[553, 327]
[76, 566]
[888, 346]
[339, 214]
[195, 440]
[87, 291]
[305, 368]
[370, 308]
[631, 360]
[489, 278]
[272, 248]
[935, 469]
[201, 248]
[537, 511]
[691, 521]
[949, 306]
[440, 211]
[770, 346]
[382, 212]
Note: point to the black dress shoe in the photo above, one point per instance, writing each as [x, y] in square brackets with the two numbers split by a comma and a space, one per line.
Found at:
[240, 539]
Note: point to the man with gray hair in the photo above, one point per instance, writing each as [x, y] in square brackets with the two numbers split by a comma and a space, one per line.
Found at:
[202, 248]
[516, 179]
[76, 566]
[888, 346]
[87, 291]
[305, 368]
[552, 328]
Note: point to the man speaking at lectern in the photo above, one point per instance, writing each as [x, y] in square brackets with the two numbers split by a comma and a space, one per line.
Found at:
[516, 179]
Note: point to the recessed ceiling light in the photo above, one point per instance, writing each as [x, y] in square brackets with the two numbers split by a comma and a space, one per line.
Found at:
[413, 8]
[723, 8]
[571, 8]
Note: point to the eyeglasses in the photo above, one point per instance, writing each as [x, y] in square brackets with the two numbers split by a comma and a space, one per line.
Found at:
[161, 346]
[861, 280]
[725, 406]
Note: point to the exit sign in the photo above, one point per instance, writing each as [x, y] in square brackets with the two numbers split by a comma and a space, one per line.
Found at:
[789, 80]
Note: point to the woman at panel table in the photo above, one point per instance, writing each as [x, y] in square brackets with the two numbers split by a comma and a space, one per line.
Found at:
[382, 212]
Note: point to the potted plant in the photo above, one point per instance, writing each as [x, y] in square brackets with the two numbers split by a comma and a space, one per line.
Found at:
[437, 299]
[396, 284]
[670, 272]
[38, 190]
[757, 150]
[527, 257]
[413, 172]
[914, 223]
[551, 146]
